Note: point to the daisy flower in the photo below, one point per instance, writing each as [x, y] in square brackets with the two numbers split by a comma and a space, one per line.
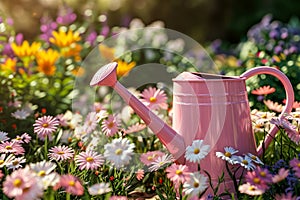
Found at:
[150, 156]
[246, 162]
[11, 147]
[45, 126]
[20, 114]
[89, 160]
[119, 152]
[161, 162]
[80, 132]
[61, 153]
[22, 184]
[264, 90]
[251, 190]
[99, 188]
[97, 107]
[6, 159]
[197, 151]
[196, 184]
[91, 122]
[16, 163]
[139, 174]
[3, 136]
[274, 106]
[110, 126]
[254, 178]
[228, 155]
[255, 159]
[295, 163]
[135, 128]
[154, 98]
[282, 174]
[70, 184]
[288, 196]
[178, 173]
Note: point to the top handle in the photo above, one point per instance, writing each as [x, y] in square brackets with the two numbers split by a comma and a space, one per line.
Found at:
[289, 98]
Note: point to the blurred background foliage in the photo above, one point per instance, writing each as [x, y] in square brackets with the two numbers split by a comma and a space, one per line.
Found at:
[203, 20]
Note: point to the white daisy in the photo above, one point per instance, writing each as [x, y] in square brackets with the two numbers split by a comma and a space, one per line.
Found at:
[246, 162]
[197, 151]
[4, 161]
[98, 189]
[119, 152]
[196, 185]
[3, 136]
[44, 170]
[161, 161]
[20, 114]
[255, 159]
[16, 163]
[228, 155]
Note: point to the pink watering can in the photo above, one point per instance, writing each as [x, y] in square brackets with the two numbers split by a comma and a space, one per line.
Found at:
[209, 107]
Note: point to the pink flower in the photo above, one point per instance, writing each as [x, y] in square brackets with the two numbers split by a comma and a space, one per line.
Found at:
[110, 126]
[263, 90]
[61, 153]
[25, 137]
[89, 160]
[282, 174]
[295, 164]
[259, 178]
[273, 106]
[135, 128]
[140, 174]
[22, 184]
[288, 196]
[178, 173]
[70, 184]
[250, 189]
[91, 122]
[150, 156]
[290, 129]
[118, 198]
[11, 147]
[154, 98]
[45, 126]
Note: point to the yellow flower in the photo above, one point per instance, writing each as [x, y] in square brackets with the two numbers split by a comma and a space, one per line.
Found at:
[107, 52]
[123, 68]
[64, 39]
[74, 50]
[46, 61]
[25, 50]
[79, 71]
[9, 65]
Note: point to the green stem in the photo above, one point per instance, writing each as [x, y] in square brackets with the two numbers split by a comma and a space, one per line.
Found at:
[68, 196]
[46, 148]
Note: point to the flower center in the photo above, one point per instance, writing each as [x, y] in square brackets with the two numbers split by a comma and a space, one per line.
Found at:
[196, 151]
[150, 158]
[245, 162]
[196, 184]
[227, 154]
[18, 138]
[253, 157]
[45, 125]
[71, 183]
[152, 99]
[178, 172]
[263, 174]
[110, 124]
[256, 180]
[252, 188]
[42, 173]
[17, 182]
[89, 159]
[15, 162]
[298, 165]
[1, 162]
[8, 147]
[60, 152]
[118, 151]
[264, 116]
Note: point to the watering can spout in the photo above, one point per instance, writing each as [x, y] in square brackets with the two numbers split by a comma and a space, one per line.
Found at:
[106, 76]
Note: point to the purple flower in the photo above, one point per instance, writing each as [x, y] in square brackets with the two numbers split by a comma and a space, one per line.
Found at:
[105, 30]
[91, 38]
[273, 34]
[19, 38]
[295, 164]
[47, 27]
[259, 178]
[66, 16]
[277, 49]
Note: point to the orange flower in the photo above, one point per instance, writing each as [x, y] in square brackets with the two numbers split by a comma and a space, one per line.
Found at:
[9, 65]
[263, 90]
[273, 106]
[107, 52]
[46, 61]
[79, 71]
[296, 104]
[25, 51]
[124, 68]
[64, 39]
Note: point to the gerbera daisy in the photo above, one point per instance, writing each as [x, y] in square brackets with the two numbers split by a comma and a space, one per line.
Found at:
[3, 136]
[119, 152]
[89, 160]
[154, 98]
[16, 163]
[61, 153]
[150, 156]
[99, 188]
[264, 90]
[228, 155]
[197, 151]
[110, 126]
[46, 61]
[11, 147]
[20, 114]
[178, 173]
[22, 184]
[70, 184]
[64, 39]
[251, 190]
[161, 161]
[196, 184]
[45, 126]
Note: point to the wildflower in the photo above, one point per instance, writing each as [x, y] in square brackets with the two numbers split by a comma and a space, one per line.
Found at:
[228, 155]
[135, 128]
[46, 61]
[91, 121]
[288, 196]
[89, 160]
[22, 184]
[246, 162]
[263, 90]
[150, 156]
[259, 178]
[106, 52]
[161, 162]
[61, 153]
[110, 126]
[66, 16]
[139, 174]
[251, 190]
[255, 159]
[99, 188]
[70, 184]
[11, 147]
[25, 50]
[16, 163]
[154, 98]
[275, 106]
[282, 174]
[26, 138]
[6, 159]
[119, 152]
[64, 39]
[45, 126]
[124, 68]
[3, 136]
[9, 65]
[295, 164]
[260, 126]
[197, 151]
[178, 173]
[196, 184]
[20, 114]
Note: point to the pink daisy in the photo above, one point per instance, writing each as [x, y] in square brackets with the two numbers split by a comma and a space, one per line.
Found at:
[26, 138]
[110, 126]
[139, 174]
[150, 156]
[45, 126]
[264, 90]
[91, 122]
[295, 164]
[251, 190]
[16, 163]
[89, 160]
[178, 173]
[154, 98]
[259, 178]
[22, 184]
[61, 153]
[288, 196]
[282, 174]
[11, 147]
[70, 184]
[135, 128]
[275, 106]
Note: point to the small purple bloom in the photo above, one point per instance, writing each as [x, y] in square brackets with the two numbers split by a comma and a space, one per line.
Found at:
[19, 38]
[273, 34]
[66, 16]
[293, 50]
[277, 49]
[105, 30]
[91, 38]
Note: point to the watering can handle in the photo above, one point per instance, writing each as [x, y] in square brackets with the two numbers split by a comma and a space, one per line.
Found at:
[289, 98]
